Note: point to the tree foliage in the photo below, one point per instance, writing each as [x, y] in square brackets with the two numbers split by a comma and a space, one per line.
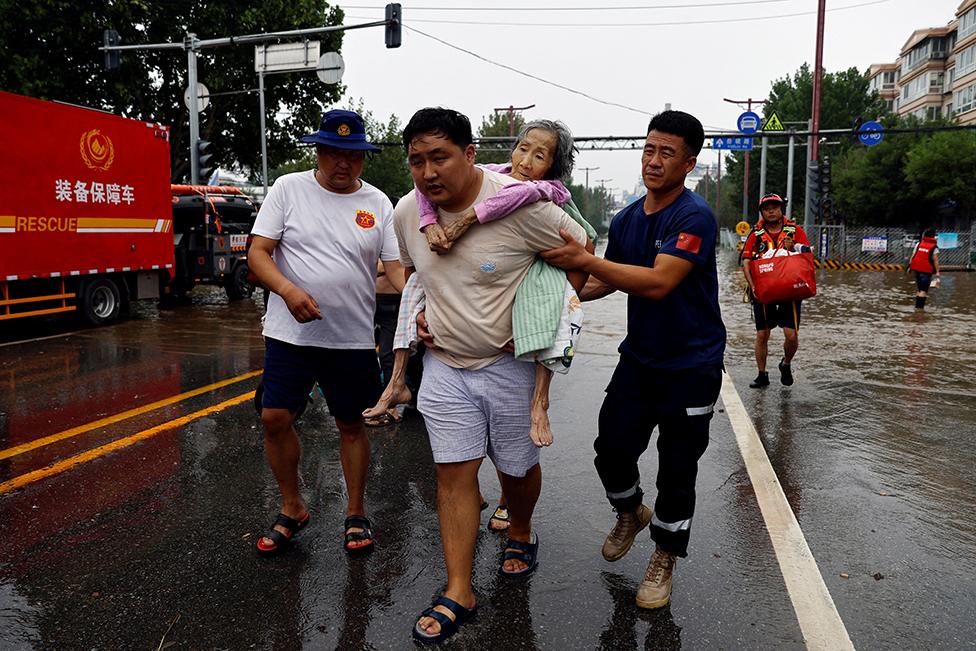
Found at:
[941, 171]
[596, 205]
[496, 125]
[845, 96]
[387, 169]
[51, 52]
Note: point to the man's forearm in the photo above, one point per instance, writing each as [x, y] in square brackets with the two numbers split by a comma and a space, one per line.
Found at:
[595, 289]
[634, 280]
[267, 272]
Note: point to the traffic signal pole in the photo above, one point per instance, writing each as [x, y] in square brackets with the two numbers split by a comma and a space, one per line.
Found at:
[191, 77]
[192, 45]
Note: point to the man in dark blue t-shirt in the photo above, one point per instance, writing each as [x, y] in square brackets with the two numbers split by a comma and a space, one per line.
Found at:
[661, 252]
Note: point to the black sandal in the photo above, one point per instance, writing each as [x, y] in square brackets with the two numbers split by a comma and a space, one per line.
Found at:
[448, 626]
[517, 550]
[281, 540]
[359, 522]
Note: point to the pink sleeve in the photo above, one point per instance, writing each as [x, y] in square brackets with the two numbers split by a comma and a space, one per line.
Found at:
[515, 195]
[426, 208]
[501, 168]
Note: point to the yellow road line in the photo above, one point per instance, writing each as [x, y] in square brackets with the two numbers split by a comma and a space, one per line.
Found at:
[109, 420]
[71, 462]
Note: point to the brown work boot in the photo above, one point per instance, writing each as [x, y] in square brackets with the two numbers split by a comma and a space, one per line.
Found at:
[655, 589]
[621, 539]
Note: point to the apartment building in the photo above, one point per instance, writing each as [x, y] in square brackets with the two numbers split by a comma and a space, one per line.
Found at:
[935, 74]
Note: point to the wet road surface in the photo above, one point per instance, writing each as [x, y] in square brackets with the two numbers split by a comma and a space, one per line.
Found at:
[153, 541]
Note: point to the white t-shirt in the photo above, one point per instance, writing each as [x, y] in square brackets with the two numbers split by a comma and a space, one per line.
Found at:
[471, 290]
[328, 245]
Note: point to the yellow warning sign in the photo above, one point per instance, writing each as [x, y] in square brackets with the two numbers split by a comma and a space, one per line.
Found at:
[742, 228]
[773, 123]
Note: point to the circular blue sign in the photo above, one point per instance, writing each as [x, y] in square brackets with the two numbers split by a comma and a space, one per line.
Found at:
[870, 133]
[748, 122]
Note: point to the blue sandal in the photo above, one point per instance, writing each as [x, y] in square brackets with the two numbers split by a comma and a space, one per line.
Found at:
[448, 626]
[528, 553]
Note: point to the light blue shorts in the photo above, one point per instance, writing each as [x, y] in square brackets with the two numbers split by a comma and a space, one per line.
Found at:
[471, 414]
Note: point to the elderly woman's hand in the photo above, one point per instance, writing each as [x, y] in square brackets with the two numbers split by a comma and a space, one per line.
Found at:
[436, 239]
[460, 226]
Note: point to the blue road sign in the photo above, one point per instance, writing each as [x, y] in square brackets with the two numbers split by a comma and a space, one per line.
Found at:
[735, 143]
[870, 133]
[748, 122]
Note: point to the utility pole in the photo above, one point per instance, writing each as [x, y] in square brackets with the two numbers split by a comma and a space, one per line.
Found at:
[718, 188]
[817, 83]
[587, 170]
[586, 195]
[511, 116]
[745, 178]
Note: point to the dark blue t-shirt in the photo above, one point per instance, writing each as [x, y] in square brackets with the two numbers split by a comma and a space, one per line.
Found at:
[684, 329]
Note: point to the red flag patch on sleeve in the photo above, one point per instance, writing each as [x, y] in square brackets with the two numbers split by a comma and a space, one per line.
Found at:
[688, 242]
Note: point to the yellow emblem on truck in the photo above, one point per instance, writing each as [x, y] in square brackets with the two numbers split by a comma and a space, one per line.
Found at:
[97, 150]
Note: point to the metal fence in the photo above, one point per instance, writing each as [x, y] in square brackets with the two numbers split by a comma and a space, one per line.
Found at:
[880, 245]
[872, 244]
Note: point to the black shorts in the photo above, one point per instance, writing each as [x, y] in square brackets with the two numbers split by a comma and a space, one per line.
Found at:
[923, 281]
[777, 315]
[349, 379]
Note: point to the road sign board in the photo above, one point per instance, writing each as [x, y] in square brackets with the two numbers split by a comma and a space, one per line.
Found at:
[735, 143]
[870, 133]
[285, 57]
[773, 123]
[748, 122]
[203, 97]
[742, 228]
[330, 68]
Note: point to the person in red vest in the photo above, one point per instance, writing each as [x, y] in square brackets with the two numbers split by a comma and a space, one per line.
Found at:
[924, 262]
[773, 233]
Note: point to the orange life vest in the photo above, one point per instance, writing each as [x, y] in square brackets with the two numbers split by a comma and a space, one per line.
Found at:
[765, 242]
[922, 258]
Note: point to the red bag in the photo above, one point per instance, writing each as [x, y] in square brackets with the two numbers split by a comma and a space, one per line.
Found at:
[784, 278]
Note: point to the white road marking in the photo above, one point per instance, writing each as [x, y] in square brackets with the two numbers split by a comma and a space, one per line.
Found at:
[816, 613]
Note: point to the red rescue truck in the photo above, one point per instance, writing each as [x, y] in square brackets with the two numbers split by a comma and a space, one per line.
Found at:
[85, 214]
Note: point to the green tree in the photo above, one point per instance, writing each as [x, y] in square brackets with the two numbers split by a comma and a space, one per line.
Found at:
[941, 169]
[50, 52]
[869, 183]
[496, 126]
[845, 96]
[596, 205]
[386, 169]
[707, 188]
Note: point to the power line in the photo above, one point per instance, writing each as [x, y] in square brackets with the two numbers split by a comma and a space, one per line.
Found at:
[526, 74]
[730, 3]
[674, 23]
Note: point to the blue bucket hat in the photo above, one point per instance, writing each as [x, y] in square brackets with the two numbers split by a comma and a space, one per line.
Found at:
[342, 130]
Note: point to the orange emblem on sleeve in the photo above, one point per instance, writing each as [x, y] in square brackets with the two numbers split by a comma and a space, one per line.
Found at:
[365, 219]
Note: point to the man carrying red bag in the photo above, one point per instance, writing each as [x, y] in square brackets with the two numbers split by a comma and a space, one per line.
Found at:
[774, 233]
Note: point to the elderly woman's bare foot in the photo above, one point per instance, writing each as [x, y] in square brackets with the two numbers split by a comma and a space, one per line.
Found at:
[391, 397]
[539, 430]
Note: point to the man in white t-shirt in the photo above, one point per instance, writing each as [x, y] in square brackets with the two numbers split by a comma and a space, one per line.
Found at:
[475, 397]
[316, 242]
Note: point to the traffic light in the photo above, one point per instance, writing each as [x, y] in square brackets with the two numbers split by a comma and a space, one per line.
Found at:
[826, 210]
[825, 180]
[111, 38]
[202, 157]
[393, 15]
[813, 185]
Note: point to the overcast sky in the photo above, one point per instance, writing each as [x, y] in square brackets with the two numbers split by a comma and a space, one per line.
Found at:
[691, 54]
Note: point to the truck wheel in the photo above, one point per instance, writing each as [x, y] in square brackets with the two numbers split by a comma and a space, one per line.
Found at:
[237, 286]
[100, 301]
